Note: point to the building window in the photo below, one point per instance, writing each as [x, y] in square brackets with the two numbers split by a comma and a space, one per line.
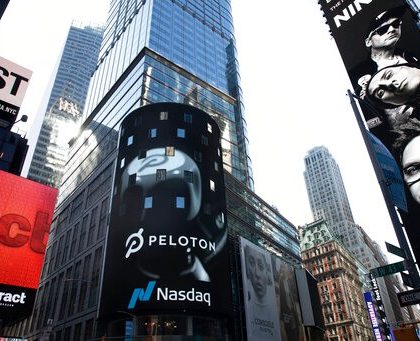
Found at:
[180, 133]
[209, 128]
[212, 185]
[169, 151]
[122, 162]
[216, 166]
[204, 140]
[180, 202]
[160, 174]
[148, 202]
[152, 133]
[218, 151]
[188, 176]
[187, 118]
[163, 115]
[130, 140]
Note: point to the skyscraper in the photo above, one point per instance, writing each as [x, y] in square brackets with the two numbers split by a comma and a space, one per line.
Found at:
[328, 201]
[65, 105]
[152, 51]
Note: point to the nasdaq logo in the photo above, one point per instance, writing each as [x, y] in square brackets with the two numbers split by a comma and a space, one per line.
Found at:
[140, 294]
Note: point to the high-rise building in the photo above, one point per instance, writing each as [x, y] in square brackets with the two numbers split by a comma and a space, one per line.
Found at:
[328, 201]
[65, 105]
[152, 51]
[339, 284]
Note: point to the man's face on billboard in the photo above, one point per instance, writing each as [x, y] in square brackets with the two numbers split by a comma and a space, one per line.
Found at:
[411, 167]
[396, 85]
[257, 272]
[386, 35]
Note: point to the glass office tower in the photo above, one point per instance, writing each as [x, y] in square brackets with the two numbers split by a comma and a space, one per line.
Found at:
[163, 51]
[152, 51]
[65, 105]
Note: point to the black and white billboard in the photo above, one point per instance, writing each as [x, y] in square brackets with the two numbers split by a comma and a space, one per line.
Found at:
[379, 42]
[287, 296]
[261, 304]
[166, 246]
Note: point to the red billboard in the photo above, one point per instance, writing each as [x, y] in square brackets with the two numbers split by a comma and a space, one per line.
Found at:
[26, 210]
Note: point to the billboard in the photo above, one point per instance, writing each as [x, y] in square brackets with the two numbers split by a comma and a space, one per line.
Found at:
[26, 210]
[261, 305]
[13, 84]
[379, 43]
[372, 316]
[166, 244]
[287, 297]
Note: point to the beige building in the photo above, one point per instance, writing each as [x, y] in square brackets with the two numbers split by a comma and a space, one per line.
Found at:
[339, 285]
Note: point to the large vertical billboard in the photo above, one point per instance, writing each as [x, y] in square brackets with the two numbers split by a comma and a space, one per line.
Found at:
[372, 316]
[261, 309]
[379, 42]
[166, 244]
[26, 210]
[13, 84]
[287, 296]
[272, 307]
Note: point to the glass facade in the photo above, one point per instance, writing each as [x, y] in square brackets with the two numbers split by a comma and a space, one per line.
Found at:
[136, 67]
[66, 102]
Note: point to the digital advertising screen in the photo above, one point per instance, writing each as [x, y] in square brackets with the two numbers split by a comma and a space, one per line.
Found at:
[26, 210]
[166, 245]
[379, 43]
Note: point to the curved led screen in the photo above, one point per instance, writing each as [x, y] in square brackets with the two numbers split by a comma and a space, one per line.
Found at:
[166, 246]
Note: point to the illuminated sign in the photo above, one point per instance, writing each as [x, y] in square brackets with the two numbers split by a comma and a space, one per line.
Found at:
[13, 84]
[68, 107]
[26, 210]
[372, 316]
[166, 243]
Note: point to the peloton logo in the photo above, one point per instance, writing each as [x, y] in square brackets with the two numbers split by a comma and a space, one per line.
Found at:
[135, 242]
[8, 300]
[166, 294]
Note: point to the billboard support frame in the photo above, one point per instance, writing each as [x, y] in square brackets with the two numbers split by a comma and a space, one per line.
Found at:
[402, 240]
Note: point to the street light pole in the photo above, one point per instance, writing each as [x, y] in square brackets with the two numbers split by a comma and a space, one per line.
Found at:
[410, 263]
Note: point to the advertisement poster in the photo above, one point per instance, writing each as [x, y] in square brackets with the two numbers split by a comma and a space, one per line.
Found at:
[26, 210]
[287, 300]
[261, 304]
[14, 81]
[379, 42]
[166, 245]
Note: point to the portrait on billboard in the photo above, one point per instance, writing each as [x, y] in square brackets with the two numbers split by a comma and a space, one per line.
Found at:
[407, 146]
[287, 296]
[379, 42]
[382, 38]
[261, 309]
[169, 184]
